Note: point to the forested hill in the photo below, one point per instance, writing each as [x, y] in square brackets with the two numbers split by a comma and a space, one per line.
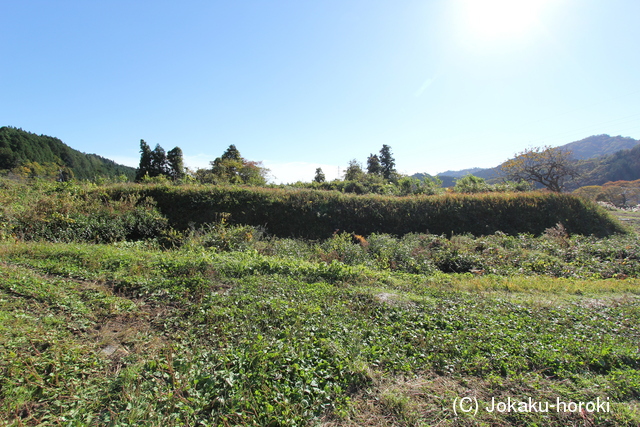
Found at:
[27, 152]
[599, 145]
[623, 165]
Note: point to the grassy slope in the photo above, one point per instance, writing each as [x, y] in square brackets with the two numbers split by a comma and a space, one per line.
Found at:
[631, 219]
[125, 335]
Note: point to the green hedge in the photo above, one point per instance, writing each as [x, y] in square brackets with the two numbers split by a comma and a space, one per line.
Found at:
[318, 214]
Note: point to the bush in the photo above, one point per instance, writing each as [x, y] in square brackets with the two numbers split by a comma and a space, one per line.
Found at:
[66, 212]
[224, 237]
[473, 184]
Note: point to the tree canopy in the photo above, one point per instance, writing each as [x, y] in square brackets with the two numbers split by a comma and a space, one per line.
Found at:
[551, 167]
[157, 162]
[354, 171]
[232, 168]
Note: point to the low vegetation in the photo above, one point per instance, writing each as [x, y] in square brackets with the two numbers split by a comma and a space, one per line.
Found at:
[110, 315]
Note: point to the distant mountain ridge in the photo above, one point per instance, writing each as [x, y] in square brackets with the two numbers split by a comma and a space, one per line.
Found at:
[599, 145]
[19, 147]
[599, 155]
[461, 173]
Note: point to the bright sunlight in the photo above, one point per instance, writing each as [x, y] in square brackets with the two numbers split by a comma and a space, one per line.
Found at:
[497, 19]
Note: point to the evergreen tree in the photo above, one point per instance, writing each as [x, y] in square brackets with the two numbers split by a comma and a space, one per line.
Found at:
[387, 162]
[373, 165]
[176, 163]
[145, 161]
[158, 162]
[319, 176]
[232, 153]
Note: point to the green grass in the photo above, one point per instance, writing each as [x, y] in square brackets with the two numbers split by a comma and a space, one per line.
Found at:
[281, 333]
[631, 219]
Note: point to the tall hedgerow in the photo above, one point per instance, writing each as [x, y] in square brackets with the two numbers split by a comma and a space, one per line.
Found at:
[318, 214]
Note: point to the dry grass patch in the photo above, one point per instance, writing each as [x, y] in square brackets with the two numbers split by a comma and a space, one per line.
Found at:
[429, 399]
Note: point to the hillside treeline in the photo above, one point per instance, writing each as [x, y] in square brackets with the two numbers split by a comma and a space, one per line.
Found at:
[623, 165]
[30, 155]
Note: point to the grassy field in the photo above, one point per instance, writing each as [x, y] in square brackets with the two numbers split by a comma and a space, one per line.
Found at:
[225, 325]
[125, 334]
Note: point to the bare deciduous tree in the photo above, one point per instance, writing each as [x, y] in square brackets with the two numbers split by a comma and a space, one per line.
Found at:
[551, 167]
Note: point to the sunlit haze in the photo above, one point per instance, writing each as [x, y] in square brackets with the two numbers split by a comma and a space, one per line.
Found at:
[494, 19]
[448, 84]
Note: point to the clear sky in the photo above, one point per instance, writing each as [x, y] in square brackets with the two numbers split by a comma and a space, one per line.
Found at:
[448, 84]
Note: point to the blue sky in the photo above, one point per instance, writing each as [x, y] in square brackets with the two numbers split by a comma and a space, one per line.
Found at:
[304, 84]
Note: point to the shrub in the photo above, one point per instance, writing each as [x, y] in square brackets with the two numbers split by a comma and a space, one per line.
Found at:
[471, 184]
[67, 212]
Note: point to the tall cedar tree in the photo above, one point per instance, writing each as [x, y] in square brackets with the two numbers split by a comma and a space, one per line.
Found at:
[373, 165]
[176, 163]
[146, 160]
[387, 162]
[158, 162]
[232, 153]
[319, 176]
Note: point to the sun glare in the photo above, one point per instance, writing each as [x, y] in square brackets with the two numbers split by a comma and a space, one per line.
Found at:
[494, 19]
